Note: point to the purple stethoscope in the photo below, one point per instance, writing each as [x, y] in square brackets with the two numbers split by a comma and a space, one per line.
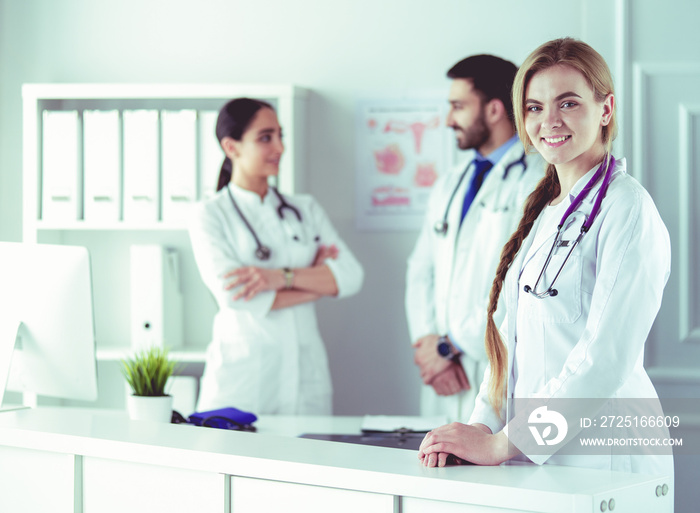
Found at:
[551, 291]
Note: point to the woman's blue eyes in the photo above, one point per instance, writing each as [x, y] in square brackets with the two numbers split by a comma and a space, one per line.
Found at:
[537, 108]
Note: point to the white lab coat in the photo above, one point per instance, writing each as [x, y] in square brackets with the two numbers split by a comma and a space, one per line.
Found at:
[588, 341]
[449, 277]
[262, 360]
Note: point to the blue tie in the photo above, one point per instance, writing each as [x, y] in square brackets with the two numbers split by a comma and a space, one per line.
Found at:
[482, 167]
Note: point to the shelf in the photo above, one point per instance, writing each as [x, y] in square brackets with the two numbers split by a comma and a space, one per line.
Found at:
[117, 353]
[159, 91]
[114, 225]
[108, 238]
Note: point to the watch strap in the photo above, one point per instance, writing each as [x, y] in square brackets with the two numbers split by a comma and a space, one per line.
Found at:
[446, 349]
[288, 278]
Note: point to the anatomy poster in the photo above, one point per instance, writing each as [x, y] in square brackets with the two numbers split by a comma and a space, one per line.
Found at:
[402, 147]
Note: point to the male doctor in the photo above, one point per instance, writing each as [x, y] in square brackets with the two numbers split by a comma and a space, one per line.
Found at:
[471, 212]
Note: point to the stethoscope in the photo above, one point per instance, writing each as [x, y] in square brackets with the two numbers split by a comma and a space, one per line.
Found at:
[263, 252]
[441, 226]
[551, 291]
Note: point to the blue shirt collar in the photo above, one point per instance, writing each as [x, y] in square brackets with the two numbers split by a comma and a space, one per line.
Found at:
[496, 155]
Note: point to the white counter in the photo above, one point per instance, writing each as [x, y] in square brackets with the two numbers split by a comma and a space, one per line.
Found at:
[89, 462]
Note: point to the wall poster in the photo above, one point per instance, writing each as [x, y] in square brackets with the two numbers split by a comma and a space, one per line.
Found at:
[402, 147]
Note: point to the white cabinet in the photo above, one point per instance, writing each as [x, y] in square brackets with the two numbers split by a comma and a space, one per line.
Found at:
[256, 495]
[117, 486]
[37, 480]
[149, 204]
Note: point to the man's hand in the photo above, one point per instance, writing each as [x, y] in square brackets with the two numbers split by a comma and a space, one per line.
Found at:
[450, 381]
[431, 365]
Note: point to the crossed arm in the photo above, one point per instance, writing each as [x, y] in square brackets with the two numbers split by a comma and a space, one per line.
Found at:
[309, 283]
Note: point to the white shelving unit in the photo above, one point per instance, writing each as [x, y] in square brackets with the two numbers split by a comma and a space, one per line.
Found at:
[109, 242]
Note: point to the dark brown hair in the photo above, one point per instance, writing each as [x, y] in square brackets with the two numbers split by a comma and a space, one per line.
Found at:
[234, 119]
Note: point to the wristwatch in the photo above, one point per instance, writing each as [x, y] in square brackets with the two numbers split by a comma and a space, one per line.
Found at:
[288, 277]
[447, 350]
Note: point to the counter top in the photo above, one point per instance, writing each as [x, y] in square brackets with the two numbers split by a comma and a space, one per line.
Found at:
[275, 453]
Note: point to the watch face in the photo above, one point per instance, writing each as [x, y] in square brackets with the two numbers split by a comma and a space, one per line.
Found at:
[444, 349]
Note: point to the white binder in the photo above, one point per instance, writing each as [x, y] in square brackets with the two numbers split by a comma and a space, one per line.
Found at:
[141, 166]
[179, 139]
[211, 156]
[156, 297]
[102, 165]
[184, 392]
[61, 184]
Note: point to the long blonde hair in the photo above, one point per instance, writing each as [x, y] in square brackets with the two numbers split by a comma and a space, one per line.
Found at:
[592, 66]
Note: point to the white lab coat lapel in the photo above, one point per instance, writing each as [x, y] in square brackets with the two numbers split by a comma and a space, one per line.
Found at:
[445, 257]
[458, 239]
[511, 286]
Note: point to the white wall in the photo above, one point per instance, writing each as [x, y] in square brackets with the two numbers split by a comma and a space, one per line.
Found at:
[341, 50]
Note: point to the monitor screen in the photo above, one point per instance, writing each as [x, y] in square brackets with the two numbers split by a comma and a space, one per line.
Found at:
[46, 321]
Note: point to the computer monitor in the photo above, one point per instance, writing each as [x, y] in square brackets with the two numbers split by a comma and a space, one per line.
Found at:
[47, 329]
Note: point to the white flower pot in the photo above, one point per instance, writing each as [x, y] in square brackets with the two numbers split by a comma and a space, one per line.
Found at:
[157, 409]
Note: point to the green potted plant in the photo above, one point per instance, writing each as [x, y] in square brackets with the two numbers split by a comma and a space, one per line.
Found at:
[147, 374]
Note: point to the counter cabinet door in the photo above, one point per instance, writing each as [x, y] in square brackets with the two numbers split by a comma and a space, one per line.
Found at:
[255, 495]
[414, 505]
[112, 486]
[24, 472]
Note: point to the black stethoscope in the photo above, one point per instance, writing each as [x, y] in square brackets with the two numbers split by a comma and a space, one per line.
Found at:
[263, 252]
[441, 226]
[551, 291]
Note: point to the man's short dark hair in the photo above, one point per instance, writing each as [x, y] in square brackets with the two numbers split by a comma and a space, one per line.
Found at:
[490, 75]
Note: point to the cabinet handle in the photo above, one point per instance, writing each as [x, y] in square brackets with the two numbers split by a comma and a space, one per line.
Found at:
[141, 198]
[60, 198]
[180, 198]
[102, 198]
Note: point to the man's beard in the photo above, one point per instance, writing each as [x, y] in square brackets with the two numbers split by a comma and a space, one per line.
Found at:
[476, 135]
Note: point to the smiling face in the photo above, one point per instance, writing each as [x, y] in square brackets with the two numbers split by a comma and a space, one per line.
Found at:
[563, 119]
[257, 155]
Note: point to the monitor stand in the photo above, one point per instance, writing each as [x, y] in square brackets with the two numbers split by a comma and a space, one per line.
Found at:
[9, 331]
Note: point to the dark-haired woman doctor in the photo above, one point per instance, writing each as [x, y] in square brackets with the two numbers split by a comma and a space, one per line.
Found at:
[266, 258]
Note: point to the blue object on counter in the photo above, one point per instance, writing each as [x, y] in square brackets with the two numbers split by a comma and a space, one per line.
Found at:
[224, 418]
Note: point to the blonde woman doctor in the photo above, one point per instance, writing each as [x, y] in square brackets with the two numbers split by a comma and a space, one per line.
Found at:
[583, 278]
[266, 258]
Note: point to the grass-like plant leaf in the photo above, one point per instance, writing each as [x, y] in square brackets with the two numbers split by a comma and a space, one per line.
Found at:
[148, 371]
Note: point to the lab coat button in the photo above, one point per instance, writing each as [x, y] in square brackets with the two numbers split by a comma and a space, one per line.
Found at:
[611, 504]
[664, 489]
[604, 506]
[658, 491]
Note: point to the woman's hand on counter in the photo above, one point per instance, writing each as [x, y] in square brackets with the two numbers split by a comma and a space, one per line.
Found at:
[473, 443]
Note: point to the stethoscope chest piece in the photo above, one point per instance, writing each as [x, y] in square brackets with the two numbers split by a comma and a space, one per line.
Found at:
[440, 227]
[263, 253]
